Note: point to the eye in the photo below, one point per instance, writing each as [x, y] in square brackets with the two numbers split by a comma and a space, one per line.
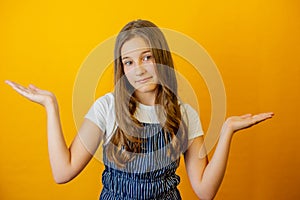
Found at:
[147, 57]
[127, 63]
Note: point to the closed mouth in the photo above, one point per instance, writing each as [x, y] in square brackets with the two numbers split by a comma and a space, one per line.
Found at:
[143, 80]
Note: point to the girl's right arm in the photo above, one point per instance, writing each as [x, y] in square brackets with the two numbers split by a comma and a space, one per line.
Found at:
[66, 163]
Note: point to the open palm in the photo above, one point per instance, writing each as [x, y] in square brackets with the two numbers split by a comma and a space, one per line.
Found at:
[236, 123]
[32, 93]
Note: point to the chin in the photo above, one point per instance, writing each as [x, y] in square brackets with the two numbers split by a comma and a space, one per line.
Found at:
[147, 88]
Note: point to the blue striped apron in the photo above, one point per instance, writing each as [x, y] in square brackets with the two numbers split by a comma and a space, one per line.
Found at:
[150, 175]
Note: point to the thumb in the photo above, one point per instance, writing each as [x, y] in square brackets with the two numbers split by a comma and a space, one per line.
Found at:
[33, 87]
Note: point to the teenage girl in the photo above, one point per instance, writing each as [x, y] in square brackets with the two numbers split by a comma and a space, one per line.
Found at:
[143, 125]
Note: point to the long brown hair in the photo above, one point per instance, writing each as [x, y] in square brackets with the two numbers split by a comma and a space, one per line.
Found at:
[125, 141]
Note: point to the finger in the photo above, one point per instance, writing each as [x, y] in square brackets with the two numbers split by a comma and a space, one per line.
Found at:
[11, 83]
[24, 92]
[261, 117]
[38, 90]
[15, 85]
[246, 116]
[31, 86]
[34, 87]
[19, 88]
[7, 82]
[265, 115]
[270, 114]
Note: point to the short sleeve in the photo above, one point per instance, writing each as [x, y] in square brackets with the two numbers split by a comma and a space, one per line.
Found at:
[192, 120]
[100, 110]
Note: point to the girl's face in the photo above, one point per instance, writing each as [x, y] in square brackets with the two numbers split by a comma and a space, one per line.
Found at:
[139, 66]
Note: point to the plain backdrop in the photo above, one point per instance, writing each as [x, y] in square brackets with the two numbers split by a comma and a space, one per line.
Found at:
[255, 45]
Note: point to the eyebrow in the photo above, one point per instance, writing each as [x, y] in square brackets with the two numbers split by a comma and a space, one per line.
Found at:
[146, 51]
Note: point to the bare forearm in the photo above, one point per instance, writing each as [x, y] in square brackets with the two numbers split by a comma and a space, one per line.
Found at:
[65, 162]
[59, 153]
[215, 170]
[208, 179]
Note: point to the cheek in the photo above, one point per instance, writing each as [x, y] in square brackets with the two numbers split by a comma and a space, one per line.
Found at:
[154, 70]
[129, 76]
[151, 68]
[126, 72]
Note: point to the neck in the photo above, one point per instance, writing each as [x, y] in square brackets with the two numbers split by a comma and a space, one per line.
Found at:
[146, 98]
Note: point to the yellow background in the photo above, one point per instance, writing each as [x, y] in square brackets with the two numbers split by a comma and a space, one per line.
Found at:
[255, 45]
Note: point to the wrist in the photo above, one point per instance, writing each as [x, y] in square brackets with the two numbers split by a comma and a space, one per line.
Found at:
[226, 130]
[50, 103]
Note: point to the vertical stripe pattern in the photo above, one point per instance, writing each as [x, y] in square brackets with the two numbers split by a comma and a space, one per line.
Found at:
[150, 175]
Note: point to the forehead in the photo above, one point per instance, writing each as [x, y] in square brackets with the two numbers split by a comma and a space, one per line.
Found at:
[134, 46]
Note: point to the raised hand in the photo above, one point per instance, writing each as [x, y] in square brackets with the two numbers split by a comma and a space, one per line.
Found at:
[236, 123]
[33, 93]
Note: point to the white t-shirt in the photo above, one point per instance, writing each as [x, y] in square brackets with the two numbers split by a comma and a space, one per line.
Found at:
[102, 113]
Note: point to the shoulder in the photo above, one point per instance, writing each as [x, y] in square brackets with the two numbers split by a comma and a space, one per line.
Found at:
[191, 117]
[107, 98]
[104, 104]
[188, 110]
[105, 101]
[102, 113]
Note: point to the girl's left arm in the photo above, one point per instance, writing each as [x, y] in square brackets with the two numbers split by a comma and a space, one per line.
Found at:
[206, 177]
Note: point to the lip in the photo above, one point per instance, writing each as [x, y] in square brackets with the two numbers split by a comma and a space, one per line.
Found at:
[143, 80]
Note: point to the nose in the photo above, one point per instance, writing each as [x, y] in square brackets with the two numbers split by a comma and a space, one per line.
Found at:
[139, 69]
